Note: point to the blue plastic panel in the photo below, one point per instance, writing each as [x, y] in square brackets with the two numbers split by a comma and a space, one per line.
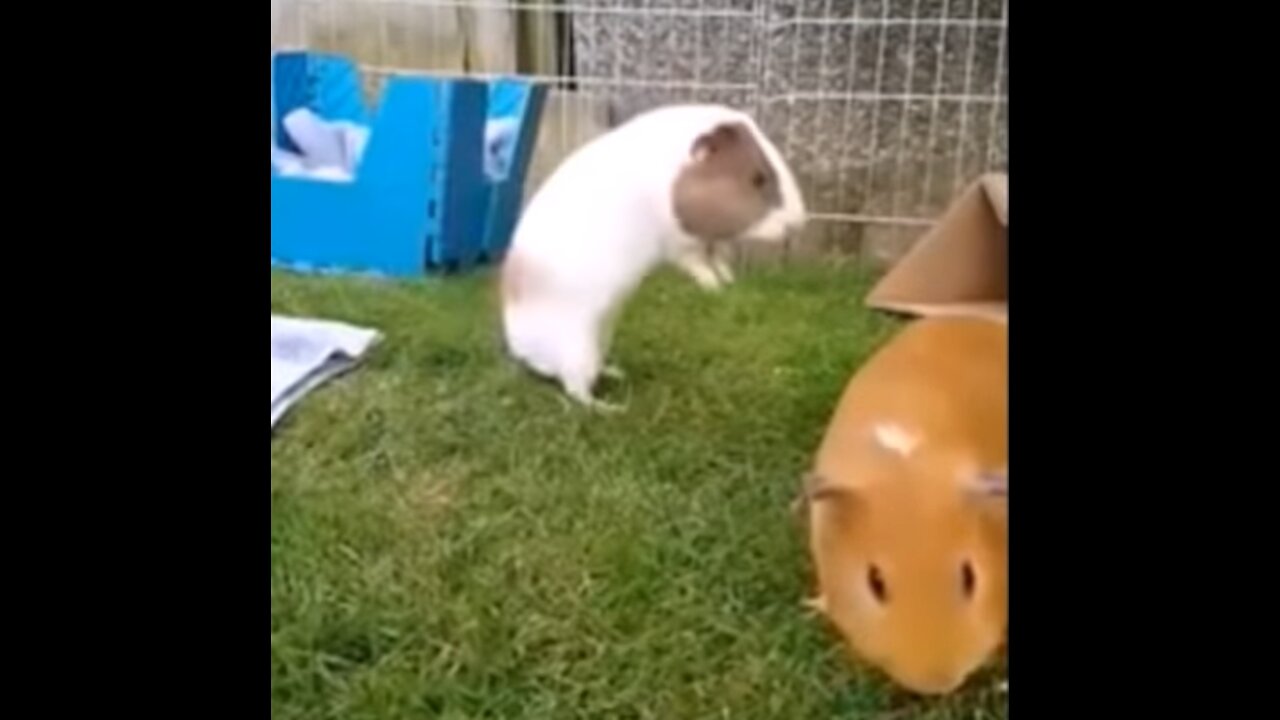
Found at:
[420, 198]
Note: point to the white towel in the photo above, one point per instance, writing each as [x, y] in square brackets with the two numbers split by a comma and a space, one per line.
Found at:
[331, 150]
[306, 353]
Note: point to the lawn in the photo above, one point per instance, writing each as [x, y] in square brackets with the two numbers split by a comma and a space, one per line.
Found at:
[450, 539]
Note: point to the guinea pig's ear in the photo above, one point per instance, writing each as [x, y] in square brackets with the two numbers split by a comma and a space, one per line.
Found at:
[992, 484]
[843, 498]
[990, 491]
[713, 141]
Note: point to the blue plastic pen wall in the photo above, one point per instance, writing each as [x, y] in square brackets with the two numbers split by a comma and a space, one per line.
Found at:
[420, 200]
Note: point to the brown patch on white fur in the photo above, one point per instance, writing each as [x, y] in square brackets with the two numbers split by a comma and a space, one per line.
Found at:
[728, 185]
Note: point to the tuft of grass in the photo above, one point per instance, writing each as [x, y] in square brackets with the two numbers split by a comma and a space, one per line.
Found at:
[451, 539]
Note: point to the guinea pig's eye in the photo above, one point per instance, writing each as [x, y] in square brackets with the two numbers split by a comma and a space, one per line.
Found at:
[875, 581]
[967, 579]
[758, 180]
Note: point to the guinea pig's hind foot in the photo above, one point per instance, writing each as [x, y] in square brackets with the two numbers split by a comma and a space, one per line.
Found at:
[607, 407]
[580, 393]
[598, 405]
[613, 372]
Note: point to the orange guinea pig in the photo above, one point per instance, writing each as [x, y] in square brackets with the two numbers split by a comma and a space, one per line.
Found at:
[907, 505]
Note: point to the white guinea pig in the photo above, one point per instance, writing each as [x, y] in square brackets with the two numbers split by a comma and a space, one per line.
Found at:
[674, 184]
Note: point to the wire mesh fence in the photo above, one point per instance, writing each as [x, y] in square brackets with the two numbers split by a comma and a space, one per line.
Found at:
[884, 108]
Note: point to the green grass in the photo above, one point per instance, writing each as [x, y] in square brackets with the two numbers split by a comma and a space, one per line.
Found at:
[450, 539]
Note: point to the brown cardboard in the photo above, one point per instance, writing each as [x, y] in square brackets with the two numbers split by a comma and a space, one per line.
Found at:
[960, 266]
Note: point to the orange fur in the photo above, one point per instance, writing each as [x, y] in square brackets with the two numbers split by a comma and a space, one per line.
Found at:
[909, 480]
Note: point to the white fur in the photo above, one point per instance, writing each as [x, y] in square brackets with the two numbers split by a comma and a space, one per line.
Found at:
[601, 223]
[896, 438]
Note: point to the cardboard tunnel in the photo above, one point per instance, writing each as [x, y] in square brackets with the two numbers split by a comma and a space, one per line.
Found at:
[960, 266]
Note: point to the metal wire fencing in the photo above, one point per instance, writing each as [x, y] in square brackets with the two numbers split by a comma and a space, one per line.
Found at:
[884, 108]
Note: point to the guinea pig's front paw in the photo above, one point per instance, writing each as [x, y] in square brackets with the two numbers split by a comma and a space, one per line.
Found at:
[796, 506]
[816, 604]
[698, 268]
[708, 280]
[724, 272]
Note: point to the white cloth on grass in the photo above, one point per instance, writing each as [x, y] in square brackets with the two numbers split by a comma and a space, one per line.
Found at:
[306, 353]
